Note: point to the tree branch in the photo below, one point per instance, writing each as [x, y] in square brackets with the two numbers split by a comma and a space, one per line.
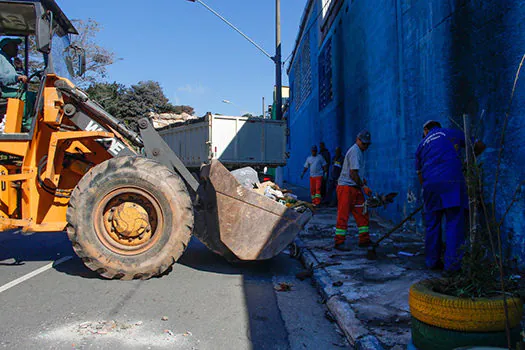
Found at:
[514, 200]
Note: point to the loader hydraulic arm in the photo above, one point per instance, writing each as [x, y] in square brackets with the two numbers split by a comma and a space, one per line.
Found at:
[98, 113]
[153, 144]
[157, 149]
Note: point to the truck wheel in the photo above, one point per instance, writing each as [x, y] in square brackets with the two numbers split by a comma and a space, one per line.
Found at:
[130, 218]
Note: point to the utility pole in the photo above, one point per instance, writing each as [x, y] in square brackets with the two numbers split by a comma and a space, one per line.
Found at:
[278, 66]
[263, 108]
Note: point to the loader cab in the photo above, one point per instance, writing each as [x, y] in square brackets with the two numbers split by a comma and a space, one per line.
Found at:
[46, 49]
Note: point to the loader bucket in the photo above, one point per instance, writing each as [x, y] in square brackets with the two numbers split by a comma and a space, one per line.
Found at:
[240, 223]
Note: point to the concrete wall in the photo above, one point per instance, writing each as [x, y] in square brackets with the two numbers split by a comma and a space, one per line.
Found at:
[396, 64]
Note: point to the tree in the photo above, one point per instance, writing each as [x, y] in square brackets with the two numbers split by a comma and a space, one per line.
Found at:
[98, 58]
[131, 104]
[145, 97]
[108, 95]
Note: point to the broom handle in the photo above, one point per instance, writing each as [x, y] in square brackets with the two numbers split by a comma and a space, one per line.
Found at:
[399, 225]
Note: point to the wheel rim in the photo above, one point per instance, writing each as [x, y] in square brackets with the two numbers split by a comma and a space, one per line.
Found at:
[129, 220]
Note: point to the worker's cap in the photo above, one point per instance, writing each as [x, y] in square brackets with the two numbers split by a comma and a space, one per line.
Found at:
[6, 41]
[314, 148]
[429, 122]
[364, 136]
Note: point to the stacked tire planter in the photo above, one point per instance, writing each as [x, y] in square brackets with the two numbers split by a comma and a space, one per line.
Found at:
[445, 322]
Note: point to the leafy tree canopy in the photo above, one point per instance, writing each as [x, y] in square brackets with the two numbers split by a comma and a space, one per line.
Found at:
[137, 101]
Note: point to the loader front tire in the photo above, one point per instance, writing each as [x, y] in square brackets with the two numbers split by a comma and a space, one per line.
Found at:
[130, 218]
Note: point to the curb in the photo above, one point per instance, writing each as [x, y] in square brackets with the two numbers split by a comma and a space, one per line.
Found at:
[356, 333]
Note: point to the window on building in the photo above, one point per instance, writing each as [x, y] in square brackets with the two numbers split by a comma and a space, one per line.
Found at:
[303, 74]
[325, 75]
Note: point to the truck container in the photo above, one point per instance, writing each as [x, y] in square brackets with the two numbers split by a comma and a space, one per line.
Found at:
[234, 141]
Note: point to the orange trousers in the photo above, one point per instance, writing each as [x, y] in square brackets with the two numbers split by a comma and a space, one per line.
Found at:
[315, 189]
[350, 200]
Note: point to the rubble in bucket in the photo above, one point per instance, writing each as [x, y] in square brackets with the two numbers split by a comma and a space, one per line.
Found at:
[249, 178]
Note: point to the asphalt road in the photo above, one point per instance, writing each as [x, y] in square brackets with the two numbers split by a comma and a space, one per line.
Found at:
[203, 303]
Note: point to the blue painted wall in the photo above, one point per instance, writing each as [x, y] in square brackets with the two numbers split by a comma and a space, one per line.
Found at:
[397, 63]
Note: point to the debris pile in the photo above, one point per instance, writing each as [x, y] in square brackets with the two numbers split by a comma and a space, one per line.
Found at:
[104, 327]
[283, 287]
[282, 196]
[161, 120]
[249, 178]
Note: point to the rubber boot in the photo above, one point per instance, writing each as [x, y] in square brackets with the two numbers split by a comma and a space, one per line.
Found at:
[345, 246]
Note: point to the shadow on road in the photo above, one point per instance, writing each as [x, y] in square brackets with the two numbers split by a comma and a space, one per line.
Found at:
[48, 246]
[267, 329]
[16, 249]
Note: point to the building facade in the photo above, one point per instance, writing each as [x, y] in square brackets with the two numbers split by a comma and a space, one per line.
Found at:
[391, 65]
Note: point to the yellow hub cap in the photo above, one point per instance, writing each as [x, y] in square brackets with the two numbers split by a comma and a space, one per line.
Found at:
[129, 224]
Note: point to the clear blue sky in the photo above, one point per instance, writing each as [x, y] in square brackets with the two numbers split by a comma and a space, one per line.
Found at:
[198, 60]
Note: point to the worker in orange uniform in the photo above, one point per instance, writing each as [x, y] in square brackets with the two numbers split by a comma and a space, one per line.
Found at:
[318, 167]
[350, 197]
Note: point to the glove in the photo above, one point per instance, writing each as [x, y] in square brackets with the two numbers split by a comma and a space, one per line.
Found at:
[367, 190]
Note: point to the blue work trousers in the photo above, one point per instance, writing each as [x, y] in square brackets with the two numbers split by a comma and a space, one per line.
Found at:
[331, 195]
[454, 237]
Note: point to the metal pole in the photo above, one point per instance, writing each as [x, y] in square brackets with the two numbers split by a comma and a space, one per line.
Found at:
[263, 108]
[26, 56]
[26, 61]
[278, 73]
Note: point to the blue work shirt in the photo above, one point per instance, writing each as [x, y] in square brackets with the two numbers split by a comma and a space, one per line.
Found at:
[8, 74]
[438, 158]
[337, 166]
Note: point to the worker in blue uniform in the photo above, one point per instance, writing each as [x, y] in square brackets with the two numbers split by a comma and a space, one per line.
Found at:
[439, 166]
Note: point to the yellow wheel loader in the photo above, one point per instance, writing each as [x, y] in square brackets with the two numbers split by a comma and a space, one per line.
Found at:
[126, 200]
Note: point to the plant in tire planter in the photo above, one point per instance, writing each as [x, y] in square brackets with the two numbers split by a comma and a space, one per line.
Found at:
[480, 304]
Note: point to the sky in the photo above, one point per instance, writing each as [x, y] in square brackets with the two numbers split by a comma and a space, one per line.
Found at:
[197, 59]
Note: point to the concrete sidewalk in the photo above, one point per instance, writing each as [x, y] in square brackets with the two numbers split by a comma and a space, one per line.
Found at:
[368, 298]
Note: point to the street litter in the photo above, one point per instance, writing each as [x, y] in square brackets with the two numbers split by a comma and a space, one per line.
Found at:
[167, 331]
[406, 253]
[164, 318]
[102, 327]
[187, 334]
[283, 287]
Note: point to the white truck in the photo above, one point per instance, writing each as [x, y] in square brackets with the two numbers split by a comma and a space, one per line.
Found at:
[235, 141]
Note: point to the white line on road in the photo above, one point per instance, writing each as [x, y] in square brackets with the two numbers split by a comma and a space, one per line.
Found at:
[34, 273]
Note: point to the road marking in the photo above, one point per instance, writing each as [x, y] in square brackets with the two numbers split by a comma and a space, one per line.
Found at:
[34, 273]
